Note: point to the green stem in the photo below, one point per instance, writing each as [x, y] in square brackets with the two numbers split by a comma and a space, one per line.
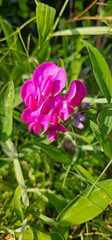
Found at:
[94, 100]
[84, 31]
[18, 29]
[105, 169]
[60, 14]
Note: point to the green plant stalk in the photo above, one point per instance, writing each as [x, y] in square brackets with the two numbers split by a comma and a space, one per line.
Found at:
[18, 171]
[60, 14]
[105, 169]
[84, 31]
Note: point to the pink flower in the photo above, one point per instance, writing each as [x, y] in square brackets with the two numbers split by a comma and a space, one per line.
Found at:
[45, 107]
[52, 131]
[49, 78]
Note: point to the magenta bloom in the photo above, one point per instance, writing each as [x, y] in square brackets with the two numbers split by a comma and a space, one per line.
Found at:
[49, 78]
[45, 107]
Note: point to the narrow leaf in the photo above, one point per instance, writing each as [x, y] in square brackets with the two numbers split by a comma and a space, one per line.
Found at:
[57, 154]
[83, 208]
[84, 173]
[17, 203]
[101, 70]
[6, 103]
[102, 138]
[45, 19]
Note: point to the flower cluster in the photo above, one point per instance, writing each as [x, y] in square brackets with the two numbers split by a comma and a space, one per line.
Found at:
[45, 107]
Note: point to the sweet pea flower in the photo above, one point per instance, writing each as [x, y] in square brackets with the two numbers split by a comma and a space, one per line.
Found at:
[49, 78]
[45, 107]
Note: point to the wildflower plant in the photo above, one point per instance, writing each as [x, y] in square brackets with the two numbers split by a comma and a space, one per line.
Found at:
[55, 189]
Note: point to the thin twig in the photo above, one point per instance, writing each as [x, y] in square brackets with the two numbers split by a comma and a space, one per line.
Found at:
[102, 4]
[94, 18]
[84, 11]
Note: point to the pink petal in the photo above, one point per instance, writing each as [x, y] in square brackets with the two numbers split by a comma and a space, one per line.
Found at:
[59, 81]
[43, 121]
[48, 88]
[71, 110]
[35, 116]
[39, 96]
[72, 91]
[80, 94]
[50, 115]
[27, 89]
[60, 128]
[26, 116]
[64, 114]
[30, 126]
[55, 119]
[32, 103]
[43, 71]
[36, 128]
[47, 105]
[52, 135]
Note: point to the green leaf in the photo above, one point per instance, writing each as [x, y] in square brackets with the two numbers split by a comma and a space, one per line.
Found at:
[6, 103]
[28, 234]
[56, 236]
[12, 41]
[17, 203]
[87, 205]
[6, 186]
[57, 154]
[102, 138]
[56, 200]
[45, 19]
[105, 119]
[43, 236]
[101, 70]
[17, 97]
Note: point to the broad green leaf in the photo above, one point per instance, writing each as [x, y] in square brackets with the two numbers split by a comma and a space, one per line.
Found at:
[87, 205]
[6, 103]
[45, 19]
[17, 203]
[101, 70]
[56, 200]
[84, 173]
[105, 119]
[102, 138]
